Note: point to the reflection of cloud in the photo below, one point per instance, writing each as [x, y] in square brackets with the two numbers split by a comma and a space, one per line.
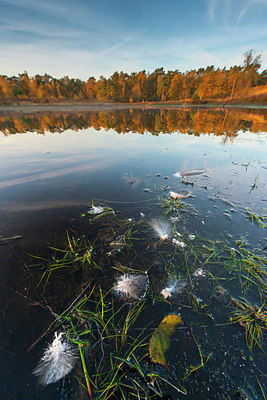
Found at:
[46, 205]
[89, 167]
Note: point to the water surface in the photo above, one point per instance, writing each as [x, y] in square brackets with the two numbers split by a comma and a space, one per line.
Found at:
[54, 165]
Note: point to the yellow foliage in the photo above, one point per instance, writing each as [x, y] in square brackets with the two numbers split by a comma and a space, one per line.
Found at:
[160, 340]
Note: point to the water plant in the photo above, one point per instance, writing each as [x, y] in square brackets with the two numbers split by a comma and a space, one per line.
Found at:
[113, 337]
[253, 319]
[258, 218]
[99, 212]
[255, 184]
[203, 360]
[246, 265]
[116, 366]
[172, 205]
[77, 255]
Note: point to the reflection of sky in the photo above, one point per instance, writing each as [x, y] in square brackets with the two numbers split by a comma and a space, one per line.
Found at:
[46, 181]
[81, 38]
[32, 158]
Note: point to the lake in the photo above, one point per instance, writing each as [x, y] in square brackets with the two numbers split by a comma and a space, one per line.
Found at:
[63, 260]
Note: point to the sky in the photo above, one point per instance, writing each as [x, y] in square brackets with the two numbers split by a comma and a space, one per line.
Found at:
[83, 38]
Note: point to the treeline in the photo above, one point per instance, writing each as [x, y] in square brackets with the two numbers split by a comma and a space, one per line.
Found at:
[199, 85]
[191, 122]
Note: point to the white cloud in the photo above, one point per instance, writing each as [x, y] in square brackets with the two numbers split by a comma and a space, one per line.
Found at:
[248, 6]
[243, 11]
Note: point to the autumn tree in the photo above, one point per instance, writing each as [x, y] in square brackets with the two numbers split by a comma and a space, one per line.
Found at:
[195, 85]
[90, 88]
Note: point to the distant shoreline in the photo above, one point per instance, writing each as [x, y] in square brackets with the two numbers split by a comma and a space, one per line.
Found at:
[94, 107]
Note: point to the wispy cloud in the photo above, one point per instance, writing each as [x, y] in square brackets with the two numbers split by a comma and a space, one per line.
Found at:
[211, 10]
[71, 38]
[243, 11]
[247, 6]
[36, 5]
[117, 45]
[227, 10]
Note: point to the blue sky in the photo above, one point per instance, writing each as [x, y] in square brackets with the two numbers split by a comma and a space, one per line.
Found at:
[82, 38]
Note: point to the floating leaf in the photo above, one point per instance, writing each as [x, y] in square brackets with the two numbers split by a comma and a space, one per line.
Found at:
[160, 340]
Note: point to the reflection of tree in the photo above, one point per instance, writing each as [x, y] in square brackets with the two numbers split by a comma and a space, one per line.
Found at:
[193, 121]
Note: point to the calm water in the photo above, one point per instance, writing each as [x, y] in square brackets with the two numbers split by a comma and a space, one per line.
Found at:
[53, 165]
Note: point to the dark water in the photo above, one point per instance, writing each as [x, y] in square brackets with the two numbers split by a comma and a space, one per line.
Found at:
[54, 165]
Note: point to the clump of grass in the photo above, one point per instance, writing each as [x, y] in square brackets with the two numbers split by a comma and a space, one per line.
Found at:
[78, 255]
[106, 329]
[98, 212]
[242, 262]
[258, 218]
[117, 367]
[172, 206]
[253, 319]
[113, 352]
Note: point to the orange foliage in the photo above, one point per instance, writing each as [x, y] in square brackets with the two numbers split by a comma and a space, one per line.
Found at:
[193, 121]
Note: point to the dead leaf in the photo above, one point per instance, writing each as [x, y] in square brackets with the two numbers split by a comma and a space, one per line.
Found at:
[160, 340]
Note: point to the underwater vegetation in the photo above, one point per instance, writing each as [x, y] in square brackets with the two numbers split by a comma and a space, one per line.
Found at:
[138, 307]
[253, 319]
[98, 211]
[258, 218]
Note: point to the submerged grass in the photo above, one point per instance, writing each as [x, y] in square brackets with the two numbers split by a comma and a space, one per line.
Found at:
[203, 360]
[258, 218]
[172, 206]
[106, 328]
[113, 347]
[244, 264]
[253, 319]
[78, 255]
